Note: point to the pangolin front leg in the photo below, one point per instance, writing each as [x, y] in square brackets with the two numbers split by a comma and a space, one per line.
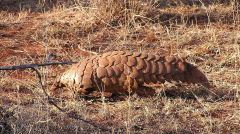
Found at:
[126, 72]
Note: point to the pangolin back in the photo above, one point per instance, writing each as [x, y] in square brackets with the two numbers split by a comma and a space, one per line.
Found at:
[121, 72]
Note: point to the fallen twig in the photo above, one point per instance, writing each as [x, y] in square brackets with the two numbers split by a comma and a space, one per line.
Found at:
[34, 65]
[50, 54]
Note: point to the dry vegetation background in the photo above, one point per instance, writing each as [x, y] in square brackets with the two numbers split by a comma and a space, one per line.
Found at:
[207, 33]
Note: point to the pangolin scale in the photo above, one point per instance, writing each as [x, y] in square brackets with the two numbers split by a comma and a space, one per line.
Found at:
[126, 72]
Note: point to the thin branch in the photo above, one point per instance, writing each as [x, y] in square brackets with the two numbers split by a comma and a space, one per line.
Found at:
[34, 65]
[49, 57]
[47, 48]
[40, 81]
[50, 53]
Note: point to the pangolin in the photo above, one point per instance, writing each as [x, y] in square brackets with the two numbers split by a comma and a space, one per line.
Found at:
[126, 72]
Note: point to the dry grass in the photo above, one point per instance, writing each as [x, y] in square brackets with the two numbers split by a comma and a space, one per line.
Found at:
[207, 36]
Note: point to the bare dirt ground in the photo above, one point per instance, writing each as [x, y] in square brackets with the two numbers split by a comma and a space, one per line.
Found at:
[207, 36]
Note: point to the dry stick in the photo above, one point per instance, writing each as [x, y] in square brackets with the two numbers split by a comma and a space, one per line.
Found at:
[33, 66]
[50, 54]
